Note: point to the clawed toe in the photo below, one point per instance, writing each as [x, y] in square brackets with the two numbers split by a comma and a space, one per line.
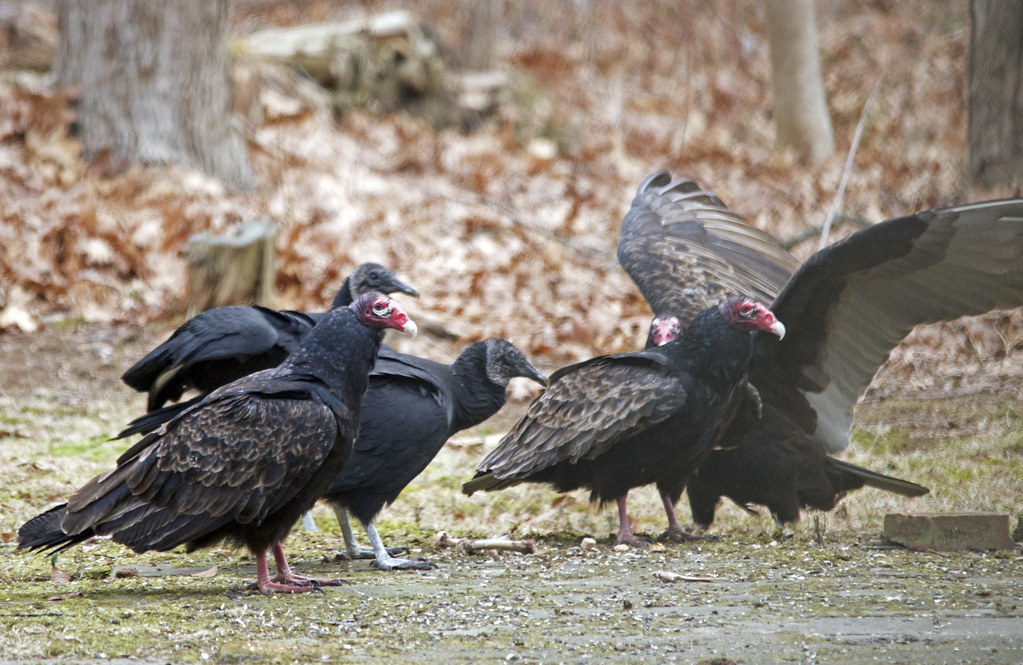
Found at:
[404, 564]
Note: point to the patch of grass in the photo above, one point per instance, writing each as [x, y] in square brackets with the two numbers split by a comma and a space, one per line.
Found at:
[96, 448]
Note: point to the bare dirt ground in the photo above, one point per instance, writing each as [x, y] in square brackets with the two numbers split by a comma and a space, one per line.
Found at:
[832, 592]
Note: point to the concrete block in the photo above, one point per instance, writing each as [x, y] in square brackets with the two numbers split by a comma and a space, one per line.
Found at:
[948, 532]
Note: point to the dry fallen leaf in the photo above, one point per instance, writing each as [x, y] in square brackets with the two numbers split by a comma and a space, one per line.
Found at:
[65, 596]
[59, 576]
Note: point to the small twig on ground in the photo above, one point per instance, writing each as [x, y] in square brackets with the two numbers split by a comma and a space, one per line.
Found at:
[471, 546]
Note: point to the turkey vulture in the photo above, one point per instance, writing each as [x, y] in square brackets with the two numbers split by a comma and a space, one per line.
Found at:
[616, 422]
[244, 463]
[226, 343]
[848, 306]
[412, 407]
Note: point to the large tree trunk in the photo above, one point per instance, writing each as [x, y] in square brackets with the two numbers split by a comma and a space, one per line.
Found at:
[800, 110]
[995, 105]
[153, 82]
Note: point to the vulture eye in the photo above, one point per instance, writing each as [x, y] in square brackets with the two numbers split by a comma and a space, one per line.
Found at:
[382, 308]
[748, 310]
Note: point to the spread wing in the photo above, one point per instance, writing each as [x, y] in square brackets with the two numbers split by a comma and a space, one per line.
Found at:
[852, 302]
[588, 408]
[686, 250]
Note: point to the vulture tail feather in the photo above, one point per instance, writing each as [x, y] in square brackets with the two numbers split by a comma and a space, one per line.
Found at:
[879, 480]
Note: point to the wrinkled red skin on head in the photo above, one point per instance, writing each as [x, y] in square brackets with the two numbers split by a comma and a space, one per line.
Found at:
[664, 330]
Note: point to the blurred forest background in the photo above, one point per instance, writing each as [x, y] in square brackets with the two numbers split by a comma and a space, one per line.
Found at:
[498, 194]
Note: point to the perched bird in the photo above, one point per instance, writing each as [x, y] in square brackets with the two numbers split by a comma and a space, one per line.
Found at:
[244, 463]
[847, 306]
[412, 407]
[222, 344]
[617, 422]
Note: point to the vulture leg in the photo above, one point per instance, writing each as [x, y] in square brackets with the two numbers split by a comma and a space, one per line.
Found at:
[308, 524]
[285, 581]
[354, 550]
[625, 535]
[675, 531]
[382, 556]
[267, 585]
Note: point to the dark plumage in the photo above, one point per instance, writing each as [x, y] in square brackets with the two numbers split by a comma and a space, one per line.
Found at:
[226, 343]
[412, 407]
[243, 464]
[617, 422]
[848, 306]
[686, 250]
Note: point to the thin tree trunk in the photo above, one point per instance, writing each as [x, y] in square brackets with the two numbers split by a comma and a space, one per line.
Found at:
[479, 46]
[153, 83]
[995, 105]
[800, 109]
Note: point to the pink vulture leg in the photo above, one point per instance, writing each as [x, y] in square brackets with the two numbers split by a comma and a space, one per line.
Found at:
[625, 535]
[675, 531]
[285, 581]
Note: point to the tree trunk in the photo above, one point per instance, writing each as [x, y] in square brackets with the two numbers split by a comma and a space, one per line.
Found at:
[995, 105]
[800, 110]
[153, 84]
[479, 42]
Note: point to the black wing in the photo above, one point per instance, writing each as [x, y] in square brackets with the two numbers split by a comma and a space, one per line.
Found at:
[852, 302]
[404, 422]
[432, 376]
[589, 407]
[221, 334]
[687, 251]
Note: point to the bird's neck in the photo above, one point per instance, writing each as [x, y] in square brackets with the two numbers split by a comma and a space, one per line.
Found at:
[476, 396]
[716, 351]
[344, 295]
[339, 352]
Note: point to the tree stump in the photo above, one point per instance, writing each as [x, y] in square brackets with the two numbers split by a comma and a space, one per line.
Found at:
[232, 270]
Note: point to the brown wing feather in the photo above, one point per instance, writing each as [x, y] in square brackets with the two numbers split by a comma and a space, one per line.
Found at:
[240, 457]
[686, 250]
[585, 412]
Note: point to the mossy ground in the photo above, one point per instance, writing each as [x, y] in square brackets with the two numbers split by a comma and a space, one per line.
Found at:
[829, 592]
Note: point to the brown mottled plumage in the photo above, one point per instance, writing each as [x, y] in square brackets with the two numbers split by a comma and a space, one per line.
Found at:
[686, 250]
[847, 307]
[244, 463]
[621, 421]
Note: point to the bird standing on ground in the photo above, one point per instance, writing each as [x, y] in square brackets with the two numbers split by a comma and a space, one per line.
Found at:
[244, 463]
[412, 407]
[848, 306]
[617, 422]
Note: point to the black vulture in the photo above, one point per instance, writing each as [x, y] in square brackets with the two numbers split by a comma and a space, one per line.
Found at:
[222, 344]
[617, 422]
[412, 407]
[244, 463]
